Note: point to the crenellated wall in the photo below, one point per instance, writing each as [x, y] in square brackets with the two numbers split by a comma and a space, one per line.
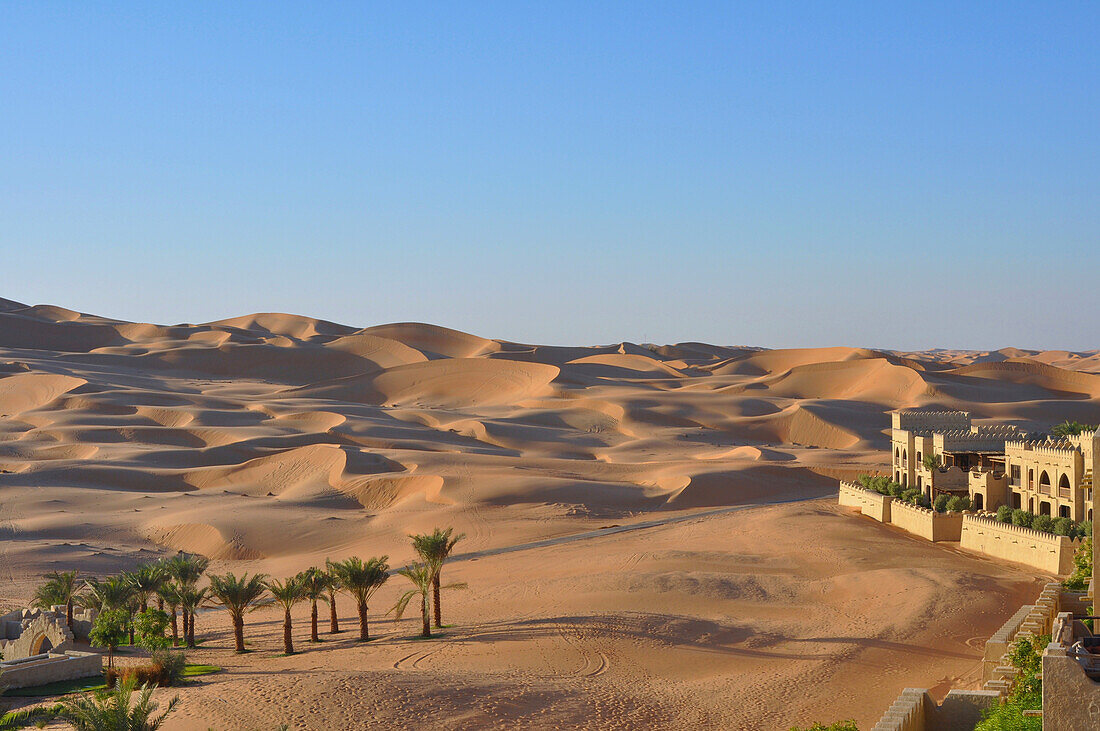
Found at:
[870, 503]
[917, 420]
[1044, 551]
[926, 523]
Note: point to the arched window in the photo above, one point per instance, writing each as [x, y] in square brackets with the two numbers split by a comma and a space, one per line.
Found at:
[1063, 482]
[905, 456]
[1044, 482]
[1031, 478]
[897, 456]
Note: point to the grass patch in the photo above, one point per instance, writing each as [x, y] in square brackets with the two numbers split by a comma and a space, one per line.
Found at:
[62, 687]
[80, 685]
[194, 671]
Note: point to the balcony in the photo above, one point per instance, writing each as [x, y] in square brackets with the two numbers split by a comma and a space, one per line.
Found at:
[1063, 492]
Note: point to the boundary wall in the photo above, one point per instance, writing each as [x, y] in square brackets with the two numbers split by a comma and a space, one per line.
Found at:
[870, 503]
[1044, 551]
[927, 524]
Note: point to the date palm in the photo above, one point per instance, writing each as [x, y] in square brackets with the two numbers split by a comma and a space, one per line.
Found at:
[169, 595]
[420, 574]
[239, 596]
[146, 579]
[113, 592]
[361, 580]
[333, 587]
[191, 598]
[61, 587]
[115, 709]
[28, 717]
[315, 585]
[287, 593]
[434, 549]
[187, 569]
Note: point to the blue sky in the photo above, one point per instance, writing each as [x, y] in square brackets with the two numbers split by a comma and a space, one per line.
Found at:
[778, 174]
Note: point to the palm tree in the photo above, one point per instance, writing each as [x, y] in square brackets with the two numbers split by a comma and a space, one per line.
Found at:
[146, 580]
[115, 710]
[61, 587]
[114, 592]
[28, 717]
[1071, 429]
[315, 585]
[169, 594]
[420, 574]
[187, 569]
[361, 580]
[239, 596]
[191, 598]
[931, 462]
[287, 593]
[334, 585]
[434, 548]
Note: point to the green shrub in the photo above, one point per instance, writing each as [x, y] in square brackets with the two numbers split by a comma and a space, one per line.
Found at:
[911, 495]
[958, 503]
[837, 726]
[1082, 567]
[1022, 518]
[1043, 523]
[1063, 526]
[1004, 514]
[924, 501]
[897, 490]
[1083, 529]
[940, 503]
[149, 629]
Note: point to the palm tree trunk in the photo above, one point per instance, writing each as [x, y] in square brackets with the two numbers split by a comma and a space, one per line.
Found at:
[426, 626]
[175, 629]
[238, 633]
[160, 603]
[110, 657]
[364, 634]
[69, 612]
[435, 596]
[191, 630]
[288, 641]
[183, 611]
[333, 622]
[313, 623]
[131, 628]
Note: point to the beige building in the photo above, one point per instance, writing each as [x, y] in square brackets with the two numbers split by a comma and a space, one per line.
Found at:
[995, 465]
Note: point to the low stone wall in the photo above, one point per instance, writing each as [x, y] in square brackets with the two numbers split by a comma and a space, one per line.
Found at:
[51, 668]
[926, 523]
[914, 710]
[869, 502]
[1046, 552]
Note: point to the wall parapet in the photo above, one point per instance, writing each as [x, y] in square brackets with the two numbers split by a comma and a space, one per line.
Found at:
[925, 522]
[870, 503]
[1044, 551]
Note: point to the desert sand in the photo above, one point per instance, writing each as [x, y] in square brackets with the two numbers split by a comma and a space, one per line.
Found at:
[650, 538]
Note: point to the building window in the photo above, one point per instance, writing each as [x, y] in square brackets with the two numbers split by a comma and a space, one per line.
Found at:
[1015, 474]
[1063, 511]
[1031, 479]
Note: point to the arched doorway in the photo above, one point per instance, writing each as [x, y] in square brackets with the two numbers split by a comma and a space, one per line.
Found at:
[41, 645]
[1016, 500]
[979, 501]
[1031, 505]
[897, 477]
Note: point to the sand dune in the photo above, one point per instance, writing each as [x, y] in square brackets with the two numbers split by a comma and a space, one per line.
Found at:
[272, 441]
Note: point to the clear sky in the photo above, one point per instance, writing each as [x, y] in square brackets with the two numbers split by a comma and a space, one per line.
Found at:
[779, 174]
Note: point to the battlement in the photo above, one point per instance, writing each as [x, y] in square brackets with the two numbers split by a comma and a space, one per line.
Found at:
[917, 420]
[1057, 448]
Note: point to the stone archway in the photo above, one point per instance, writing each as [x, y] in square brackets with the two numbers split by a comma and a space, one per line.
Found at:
[46, 630]
[40, 645]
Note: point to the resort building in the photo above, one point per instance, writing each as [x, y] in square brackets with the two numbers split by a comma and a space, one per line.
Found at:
[943, 452]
